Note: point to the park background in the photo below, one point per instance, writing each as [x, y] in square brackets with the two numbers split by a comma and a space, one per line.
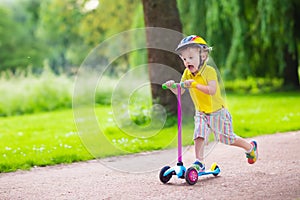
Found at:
[43, 43]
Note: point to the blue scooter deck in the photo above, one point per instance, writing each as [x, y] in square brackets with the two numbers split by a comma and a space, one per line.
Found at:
[214, 172]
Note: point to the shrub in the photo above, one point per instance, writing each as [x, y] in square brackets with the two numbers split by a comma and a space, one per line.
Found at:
[253, 85]
[28, 93]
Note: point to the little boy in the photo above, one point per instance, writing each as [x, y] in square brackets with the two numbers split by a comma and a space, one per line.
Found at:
[211, 113]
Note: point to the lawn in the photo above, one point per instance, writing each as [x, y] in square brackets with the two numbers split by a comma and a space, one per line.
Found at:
[39, 140]
[51, 138]
[265, 113]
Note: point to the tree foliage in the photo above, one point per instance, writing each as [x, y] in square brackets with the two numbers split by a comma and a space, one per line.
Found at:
[109, 18]
[19, 45]
[60, 33]
[59, 28]
[250, 38]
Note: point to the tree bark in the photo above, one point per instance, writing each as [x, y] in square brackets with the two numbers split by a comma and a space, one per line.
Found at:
[291, 76]
[164, 14]
[290, 73]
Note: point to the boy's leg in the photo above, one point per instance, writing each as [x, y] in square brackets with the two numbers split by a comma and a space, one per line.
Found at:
[242, 143]
[199, 149]
[199, 154]
[250, 148]
[200, 134]
[222, 125]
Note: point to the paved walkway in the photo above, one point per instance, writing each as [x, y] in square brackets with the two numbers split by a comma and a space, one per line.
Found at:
[276, 175]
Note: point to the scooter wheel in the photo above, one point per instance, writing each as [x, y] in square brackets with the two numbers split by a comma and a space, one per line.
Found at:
[191, 176]
[163, 178]
[214, 167]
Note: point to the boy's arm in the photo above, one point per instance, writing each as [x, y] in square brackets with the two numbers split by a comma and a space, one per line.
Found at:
[212, 82]
[209, 89]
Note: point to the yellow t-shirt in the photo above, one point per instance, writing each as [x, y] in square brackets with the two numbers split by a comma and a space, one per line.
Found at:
[204, 102]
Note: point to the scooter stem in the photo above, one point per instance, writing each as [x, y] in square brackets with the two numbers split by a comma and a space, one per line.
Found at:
[179, 123]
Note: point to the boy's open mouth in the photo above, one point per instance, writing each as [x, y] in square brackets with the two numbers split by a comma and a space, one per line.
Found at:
[190, 67]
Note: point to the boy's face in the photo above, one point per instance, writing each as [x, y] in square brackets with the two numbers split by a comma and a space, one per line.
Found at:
[191, 58]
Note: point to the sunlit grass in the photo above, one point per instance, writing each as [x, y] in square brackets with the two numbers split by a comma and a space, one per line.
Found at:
[265, 113]
[52, 138]
[39, 140]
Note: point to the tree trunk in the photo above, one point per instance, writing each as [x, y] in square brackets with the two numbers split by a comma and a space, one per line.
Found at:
[290, 73]
[164, 14]
[291, 77]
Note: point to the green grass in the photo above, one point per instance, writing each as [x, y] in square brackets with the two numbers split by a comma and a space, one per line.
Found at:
[39, 140]
[51, 138]
[264, 113]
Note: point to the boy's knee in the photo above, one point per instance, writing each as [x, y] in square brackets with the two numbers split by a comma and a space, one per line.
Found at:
[199, 140]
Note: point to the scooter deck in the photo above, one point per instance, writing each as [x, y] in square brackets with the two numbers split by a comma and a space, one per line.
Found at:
[214, 172]
[180, 170]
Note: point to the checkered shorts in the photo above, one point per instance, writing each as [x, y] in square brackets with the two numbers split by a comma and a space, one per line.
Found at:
[219, 122]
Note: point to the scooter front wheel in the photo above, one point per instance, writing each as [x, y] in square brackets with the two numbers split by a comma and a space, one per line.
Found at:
[191, 176]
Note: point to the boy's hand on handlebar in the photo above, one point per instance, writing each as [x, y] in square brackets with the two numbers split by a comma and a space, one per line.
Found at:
[169, 83]
[186, 84]
[189, 83]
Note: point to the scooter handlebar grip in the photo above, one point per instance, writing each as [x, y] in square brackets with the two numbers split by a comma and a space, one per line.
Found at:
[182, 85]
[164, 86]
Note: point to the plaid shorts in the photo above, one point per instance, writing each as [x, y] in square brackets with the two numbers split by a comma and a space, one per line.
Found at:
[219, 122]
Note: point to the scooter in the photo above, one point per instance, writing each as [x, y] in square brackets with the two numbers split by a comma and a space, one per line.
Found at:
[190, 175]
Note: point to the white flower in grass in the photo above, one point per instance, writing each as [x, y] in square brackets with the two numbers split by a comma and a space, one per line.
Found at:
[20, 133]
[70, 134]
[67, 146]
[42, 148]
